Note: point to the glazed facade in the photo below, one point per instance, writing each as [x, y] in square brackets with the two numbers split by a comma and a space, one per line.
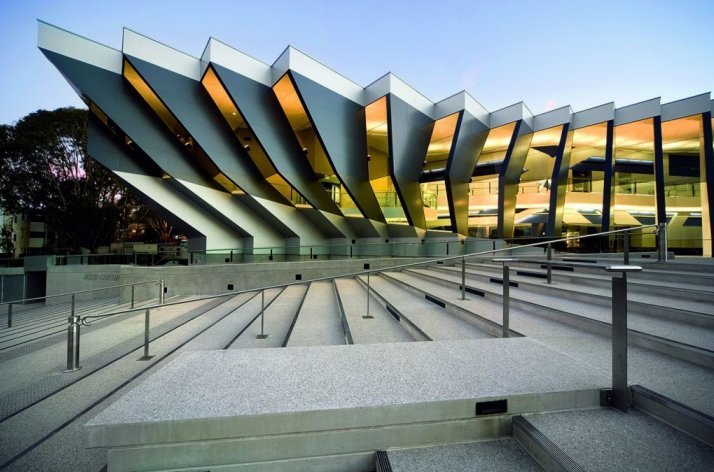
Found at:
[241, 154]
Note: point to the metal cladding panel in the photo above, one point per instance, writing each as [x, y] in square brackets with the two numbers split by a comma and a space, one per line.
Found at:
[559, 116]
[166, 200]
[192, 107]
[160, 150]
[509, 178]
[469, 142]
[409, 135]
[260, 108]
[109, 92]
[339, 123]
[686, 107]
[638, 111]
[595, 115]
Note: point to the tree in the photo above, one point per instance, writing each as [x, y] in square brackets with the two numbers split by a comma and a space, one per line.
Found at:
[44, 167]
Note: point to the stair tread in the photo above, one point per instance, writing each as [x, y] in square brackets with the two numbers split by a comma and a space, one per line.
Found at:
[608, 439]
[497, 455]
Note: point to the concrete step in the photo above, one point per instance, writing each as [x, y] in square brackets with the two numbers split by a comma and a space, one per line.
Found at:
[279, 315]
[676, 338]
[425, 317]
[608, 439]
[372, 397]
[499, 455]
[596, 286]
[318, 322]
[686, 286]
[382, 327]
[681, 380]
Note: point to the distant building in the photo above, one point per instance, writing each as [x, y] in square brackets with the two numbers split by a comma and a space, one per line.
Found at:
[238, 153]
[26, 231]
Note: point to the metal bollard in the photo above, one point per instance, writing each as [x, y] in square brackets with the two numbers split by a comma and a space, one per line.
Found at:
[161, 292]
[662, 242]
[262, 334]
[506, 301]
[132, 296]
[369, 289]
[549, 256]
[619, 342]
[463, 278]
[73, 341]
[9, 315]
[147, 322]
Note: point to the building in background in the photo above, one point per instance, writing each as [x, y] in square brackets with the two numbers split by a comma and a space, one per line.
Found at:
[25, 232]
[240, 154]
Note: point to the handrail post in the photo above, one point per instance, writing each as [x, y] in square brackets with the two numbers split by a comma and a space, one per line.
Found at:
[549, 256]
[626, 249]
[161, 292]
[73, 333]
[463, 278]
[132, 296]
[506, 297]
[147, 323]
[662, 242]
[369, 289]
[619, 342]
[262, 334]
[9, 315]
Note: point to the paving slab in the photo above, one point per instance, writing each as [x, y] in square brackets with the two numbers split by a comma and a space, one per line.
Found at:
[683, 381]
[241, 385]
[610, 440]
[431, 319]
[318, 323]
[503, 455]
[278, 317]
[381, 328]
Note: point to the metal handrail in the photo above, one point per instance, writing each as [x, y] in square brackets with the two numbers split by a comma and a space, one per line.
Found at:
[75, 322]
[368, 271]
[15, 302]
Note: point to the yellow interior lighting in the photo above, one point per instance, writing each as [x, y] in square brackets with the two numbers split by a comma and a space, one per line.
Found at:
[153, 100]
[245, 135]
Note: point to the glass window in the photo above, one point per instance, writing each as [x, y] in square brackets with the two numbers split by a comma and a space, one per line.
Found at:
[433, 188]
[377, 128]
[247, 138]
[483, 189]
[533, 198]
[684, 178]
[182, 135]
[582, 213]
[292, 106]
[634, 179]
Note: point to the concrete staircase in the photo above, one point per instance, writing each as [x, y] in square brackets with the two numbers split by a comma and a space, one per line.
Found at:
[341, 381]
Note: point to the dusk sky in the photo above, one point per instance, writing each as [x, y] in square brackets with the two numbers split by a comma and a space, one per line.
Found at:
[545, 53]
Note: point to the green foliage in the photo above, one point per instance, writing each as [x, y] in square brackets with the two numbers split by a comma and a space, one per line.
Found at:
[44, 167]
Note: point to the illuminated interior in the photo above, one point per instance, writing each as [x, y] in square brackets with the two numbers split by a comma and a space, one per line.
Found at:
[582, 213]
[247, 138]
[304, 130]
[140, 85]
[483, 189]
[684, 178]
[433, 188]
[534, 187]
[634, 178]
[377, 129]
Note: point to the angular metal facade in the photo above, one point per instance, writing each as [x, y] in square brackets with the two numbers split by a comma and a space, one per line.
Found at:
[241, 154]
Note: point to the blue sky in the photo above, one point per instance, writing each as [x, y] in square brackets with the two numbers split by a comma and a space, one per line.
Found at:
[545, 53]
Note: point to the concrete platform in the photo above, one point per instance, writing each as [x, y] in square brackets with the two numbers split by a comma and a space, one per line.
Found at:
[339, 403]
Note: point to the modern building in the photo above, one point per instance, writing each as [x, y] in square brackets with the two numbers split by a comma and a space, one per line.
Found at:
[237, 153]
